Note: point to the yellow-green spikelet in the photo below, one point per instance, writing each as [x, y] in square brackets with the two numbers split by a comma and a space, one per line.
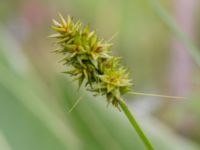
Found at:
[90, 60]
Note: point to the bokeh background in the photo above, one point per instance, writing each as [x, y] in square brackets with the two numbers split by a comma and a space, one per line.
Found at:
[159, 43]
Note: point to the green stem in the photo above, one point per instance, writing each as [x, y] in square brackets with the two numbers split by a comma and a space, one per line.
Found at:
[137, 127]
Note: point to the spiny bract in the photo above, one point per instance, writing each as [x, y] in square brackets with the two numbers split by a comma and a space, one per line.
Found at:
[90, 61]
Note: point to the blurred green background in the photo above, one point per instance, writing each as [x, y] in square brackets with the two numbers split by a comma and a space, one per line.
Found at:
[35, 96]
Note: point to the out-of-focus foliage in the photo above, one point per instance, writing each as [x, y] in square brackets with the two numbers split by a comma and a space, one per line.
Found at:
[35, 97]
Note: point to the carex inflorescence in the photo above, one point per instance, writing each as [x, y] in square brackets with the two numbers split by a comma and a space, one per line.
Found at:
[90, 61]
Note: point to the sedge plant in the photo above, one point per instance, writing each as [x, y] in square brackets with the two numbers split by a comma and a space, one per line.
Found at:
[89, 60]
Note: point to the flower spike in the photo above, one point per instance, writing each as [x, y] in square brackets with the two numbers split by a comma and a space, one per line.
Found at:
[90, 61]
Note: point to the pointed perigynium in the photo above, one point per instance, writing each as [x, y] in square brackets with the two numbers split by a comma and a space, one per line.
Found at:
[90, 61]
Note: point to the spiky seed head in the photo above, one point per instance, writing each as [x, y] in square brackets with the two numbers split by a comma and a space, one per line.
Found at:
[90, 60]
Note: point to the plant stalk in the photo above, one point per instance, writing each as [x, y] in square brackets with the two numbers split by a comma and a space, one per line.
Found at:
[135, 125]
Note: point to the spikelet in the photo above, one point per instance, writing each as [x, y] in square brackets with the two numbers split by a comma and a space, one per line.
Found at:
[90, 61]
